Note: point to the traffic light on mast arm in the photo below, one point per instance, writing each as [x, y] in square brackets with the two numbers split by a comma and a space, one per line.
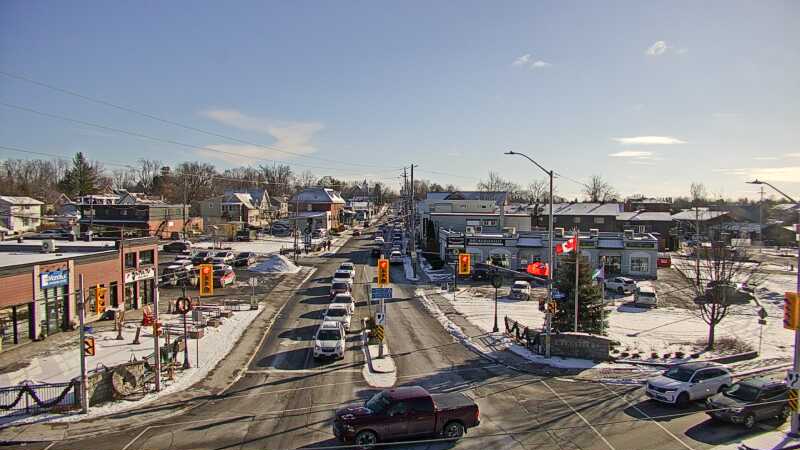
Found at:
[464, 264]
[383, 272]
[206, 279]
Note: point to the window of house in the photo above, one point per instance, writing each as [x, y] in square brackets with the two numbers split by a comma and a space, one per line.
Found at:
[130, 260]
[25, 222]
[123, 212]
[599, 220]
[308, 207]
[640, 264]
[576, 220]
[490, 222]
[146, 257]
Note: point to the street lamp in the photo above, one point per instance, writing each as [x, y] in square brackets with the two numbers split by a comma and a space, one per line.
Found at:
[548, 316]
[795, 430]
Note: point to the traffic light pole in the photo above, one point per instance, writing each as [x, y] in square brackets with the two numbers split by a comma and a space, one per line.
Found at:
[82, 333]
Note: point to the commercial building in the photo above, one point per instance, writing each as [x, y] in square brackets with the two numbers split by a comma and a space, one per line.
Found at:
[583, 216]
[659, 224]
[39, 283]
[149, 219]
[319, 199]
[627, 253]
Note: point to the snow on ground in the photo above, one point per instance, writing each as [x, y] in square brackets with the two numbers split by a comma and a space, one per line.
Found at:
[275, 264]
[409, 269]
[262, 247]
[385, 373]
[63, 366]
[448, 324]
[435, 276]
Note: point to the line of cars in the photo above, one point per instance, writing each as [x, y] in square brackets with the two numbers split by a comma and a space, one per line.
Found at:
[186, 266]
[330, 339]
[395, 252]
[743, 402]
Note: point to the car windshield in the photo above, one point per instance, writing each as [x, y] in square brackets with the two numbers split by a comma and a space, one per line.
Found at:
[329, 335]
[221, 254]
[519, 284]
[741, 391]
[340, 286]
[628, 281]
[679, 373]
[377, 403]
[203, 254]
[646, 294]
[336, 312]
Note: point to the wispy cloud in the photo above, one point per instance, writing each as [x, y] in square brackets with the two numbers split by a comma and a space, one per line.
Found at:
[528, 61]
[294, 137]
[779, 174]
[661, 47]
[792, 155]
[765, 158]
[630, 154]
[454, 154]
[649, 140]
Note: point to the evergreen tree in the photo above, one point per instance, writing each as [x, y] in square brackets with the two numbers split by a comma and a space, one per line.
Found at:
[82, 179]
[590, 315]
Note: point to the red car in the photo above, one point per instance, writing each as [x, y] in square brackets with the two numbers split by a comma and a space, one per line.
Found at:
[664, 260]
[406, 413]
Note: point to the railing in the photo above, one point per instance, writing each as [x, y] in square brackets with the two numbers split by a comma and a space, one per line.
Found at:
[29, 398]
[522, 333]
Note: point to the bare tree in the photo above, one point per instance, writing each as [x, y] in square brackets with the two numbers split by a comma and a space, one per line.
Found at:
[697, 193]
[538, 191]
[306, 179]
[279, 179]
[724, 272]
[599, 190]
[123, 179]
[496, 183]
[146, 174]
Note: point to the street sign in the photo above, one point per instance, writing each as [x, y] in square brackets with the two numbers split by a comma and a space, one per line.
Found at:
[182, 305]
[762, 321]
[762, 313]
[89, 348]
[378, 332]
[558, 295]
[378, 293]
[253, 281]
[380, 319]
[792, 379]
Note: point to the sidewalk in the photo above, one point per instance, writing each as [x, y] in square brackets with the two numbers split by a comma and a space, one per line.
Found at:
[213, 384]
[771, 440]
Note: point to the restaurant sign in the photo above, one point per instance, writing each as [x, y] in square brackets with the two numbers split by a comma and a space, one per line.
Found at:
[141, 274]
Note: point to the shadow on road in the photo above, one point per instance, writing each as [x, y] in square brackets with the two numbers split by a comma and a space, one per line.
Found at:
[288, 360]
[661, 412]
[719, 433]
[305, 333]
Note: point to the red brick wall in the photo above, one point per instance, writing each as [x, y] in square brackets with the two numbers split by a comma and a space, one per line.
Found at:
[17, 289]
[99, 272]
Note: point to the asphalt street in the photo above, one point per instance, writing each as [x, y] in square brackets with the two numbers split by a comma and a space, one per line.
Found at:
[286, 399]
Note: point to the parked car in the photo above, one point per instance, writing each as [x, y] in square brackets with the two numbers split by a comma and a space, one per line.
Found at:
[405, 413]
[338, 312]
[177, 247]
[344, 276]
[202, 257]
[339, 287]
[51, 234]
[664, 260]
[620, 285]
[520, 290]
[396, 257]
[645, 295]
[750, 401]
[223, 275]
[379, 240]
[345, 299]
[687, 382]
[246, 235]
[245, 259]
[356, 232]
[226, 256]
[329, 341]
[177, 271]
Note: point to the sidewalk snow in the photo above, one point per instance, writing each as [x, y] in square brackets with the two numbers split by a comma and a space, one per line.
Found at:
[214, 346]
[384, 373]
[272, 244]
[275, 264]
[435, 276]
[770, 440]
[448, 324]
[409, 269]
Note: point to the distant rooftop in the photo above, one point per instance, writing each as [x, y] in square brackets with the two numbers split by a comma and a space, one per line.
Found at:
[14, 200]
[701, 214]
[584, 209]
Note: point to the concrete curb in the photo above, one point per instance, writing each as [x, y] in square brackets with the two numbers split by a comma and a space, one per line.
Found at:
[368, 354]
[63, 427]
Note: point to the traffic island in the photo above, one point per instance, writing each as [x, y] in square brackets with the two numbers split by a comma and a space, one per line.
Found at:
[380, 371]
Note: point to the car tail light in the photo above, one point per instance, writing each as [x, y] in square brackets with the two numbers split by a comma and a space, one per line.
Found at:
[477, 414]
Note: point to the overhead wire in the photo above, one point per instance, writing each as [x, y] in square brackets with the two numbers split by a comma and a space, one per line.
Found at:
[172, 122]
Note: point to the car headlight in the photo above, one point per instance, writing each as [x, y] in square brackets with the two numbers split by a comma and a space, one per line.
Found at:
[349, 428]
[736, 410]
[339, 344]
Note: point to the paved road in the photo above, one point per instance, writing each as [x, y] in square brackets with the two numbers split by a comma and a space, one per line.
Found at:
[285, 400]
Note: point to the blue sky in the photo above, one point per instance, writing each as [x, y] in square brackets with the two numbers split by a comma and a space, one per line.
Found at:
[650, 95]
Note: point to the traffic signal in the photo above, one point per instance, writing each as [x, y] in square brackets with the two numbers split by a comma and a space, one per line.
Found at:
[791, 311]
[88, 346]
[383, 272]
[464, 264]
[551, 307]
[206, 279]
[100, 295]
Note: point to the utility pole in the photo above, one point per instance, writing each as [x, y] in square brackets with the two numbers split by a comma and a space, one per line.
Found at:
[577, 272]
[296, 218]
[761, 219]
[82, 333]
[405, 194]
[156, 343]
[697, 244]
[184, 206]
[413, 227]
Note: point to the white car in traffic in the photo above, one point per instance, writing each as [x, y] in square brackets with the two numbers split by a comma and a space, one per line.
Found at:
[338, 312]
[330, 340]
[620, 285]
[345, 299]
[343, 276]
[684, 383]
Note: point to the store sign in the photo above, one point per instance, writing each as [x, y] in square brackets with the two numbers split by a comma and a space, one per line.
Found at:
[142, 274]
[54, 278]
[484, 241]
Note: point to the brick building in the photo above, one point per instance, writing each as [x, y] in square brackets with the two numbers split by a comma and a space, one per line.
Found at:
[319, 200]
[160, 220]
[39, 283]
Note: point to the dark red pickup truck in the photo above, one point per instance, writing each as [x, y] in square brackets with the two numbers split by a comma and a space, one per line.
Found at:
[406, 412]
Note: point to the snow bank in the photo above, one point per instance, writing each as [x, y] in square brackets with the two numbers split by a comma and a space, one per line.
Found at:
[275, 264]
[448, 324]
[409, 269]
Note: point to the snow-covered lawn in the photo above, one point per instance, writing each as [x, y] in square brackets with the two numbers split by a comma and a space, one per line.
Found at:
[262, 247]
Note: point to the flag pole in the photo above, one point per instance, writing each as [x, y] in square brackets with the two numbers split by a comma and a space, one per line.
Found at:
[577, 256]
[603, 297]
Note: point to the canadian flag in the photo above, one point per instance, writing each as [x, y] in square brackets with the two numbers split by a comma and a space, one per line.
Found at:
[539, 268]
[568, 246]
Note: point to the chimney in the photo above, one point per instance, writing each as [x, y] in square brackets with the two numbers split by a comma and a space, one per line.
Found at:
[594, 232]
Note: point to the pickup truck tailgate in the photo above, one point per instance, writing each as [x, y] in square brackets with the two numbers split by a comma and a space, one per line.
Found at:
[446, 402]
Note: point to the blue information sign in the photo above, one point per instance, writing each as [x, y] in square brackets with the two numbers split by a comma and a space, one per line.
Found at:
[381, 292]
[54, 278]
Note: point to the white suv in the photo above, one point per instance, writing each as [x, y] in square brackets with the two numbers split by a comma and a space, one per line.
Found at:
[346, 300]
[329, 342]
[620, 285]
[343, 276]
[348, 266]
[686, 382]
[338, 312]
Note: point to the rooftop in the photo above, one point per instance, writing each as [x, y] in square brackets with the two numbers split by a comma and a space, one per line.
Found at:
[584, 209]
[20, 200]
[701, 214]
[644, 216]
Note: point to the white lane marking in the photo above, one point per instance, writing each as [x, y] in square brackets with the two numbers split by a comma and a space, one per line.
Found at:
[575, 411]
[623, 397]
[303, 371]
[141, 433]
[50, 445]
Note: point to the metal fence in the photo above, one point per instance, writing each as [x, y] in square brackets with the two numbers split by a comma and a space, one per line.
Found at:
[29, 398]
[522, 333]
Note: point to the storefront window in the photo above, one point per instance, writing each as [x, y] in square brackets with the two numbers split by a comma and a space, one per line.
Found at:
[130, 260]
[146, 291]
[113, 298]
[130, 296]
[55, 304]
[15, 326]
[146, 257]
[640, 264]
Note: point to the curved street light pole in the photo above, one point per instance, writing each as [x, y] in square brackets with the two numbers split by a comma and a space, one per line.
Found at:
[551, 266]
[795, 430]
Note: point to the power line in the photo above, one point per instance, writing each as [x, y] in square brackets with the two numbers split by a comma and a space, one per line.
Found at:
[167, 141]
[171, 122]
